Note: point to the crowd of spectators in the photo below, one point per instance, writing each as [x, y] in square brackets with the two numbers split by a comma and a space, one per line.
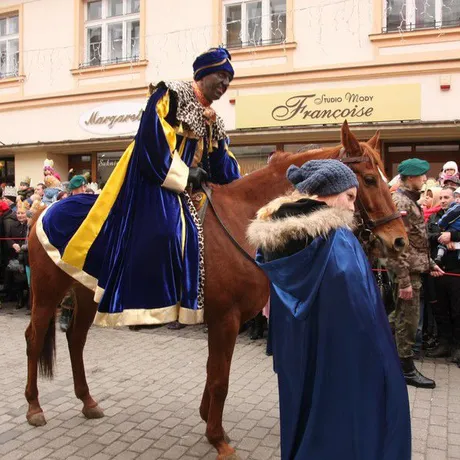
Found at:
[18, 205]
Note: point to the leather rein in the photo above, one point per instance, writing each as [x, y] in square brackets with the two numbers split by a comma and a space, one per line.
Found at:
[369, 223]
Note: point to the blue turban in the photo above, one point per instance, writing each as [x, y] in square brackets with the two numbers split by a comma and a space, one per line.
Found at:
[214, 60]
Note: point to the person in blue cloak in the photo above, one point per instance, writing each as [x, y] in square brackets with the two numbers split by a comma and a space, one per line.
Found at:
[341, 388]
[139, 244]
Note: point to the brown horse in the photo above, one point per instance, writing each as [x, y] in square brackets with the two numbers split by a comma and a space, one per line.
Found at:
[235, 291]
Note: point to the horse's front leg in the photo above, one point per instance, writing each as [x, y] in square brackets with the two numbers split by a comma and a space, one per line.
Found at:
[222, 334]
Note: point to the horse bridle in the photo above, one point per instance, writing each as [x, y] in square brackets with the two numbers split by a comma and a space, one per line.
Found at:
[369, 223]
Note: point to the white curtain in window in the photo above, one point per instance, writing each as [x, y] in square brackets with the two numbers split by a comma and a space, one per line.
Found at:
[134, 6]
[94, 10]
[115, 41]
[133, 31]
[115, 8]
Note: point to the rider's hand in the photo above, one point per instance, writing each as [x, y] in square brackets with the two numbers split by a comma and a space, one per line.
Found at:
[196, 176]
[406, 293]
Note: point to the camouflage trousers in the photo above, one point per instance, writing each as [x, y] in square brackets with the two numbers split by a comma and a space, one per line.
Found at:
[405, 318]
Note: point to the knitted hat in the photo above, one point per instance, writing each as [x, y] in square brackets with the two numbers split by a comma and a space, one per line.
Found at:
[450, 165]
[214, 60]
[322, 177]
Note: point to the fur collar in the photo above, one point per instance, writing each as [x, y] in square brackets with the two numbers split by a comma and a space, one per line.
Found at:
[273, 234]
[191, 112]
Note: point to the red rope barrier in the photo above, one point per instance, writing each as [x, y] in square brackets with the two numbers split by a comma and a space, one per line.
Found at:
[7, 239]
[445, 273]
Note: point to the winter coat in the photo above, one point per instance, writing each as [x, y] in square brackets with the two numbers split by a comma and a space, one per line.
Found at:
[50, 195]
[14, 229]
[341, 389]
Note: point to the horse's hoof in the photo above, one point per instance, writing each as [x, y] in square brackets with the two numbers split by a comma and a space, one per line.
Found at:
[37, 419]
[93, 412]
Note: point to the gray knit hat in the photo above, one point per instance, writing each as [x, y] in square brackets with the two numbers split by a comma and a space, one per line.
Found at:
[322, 177]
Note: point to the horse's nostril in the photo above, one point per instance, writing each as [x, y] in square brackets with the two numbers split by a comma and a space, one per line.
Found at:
[400, 243]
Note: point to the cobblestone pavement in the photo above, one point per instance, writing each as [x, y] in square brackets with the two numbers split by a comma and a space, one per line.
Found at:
[149, 383]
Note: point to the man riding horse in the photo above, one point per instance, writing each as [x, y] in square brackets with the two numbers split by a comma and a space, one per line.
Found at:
[143, 227]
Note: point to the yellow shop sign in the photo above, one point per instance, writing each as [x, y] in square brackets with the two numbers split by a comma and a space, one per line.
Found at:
[330, 106]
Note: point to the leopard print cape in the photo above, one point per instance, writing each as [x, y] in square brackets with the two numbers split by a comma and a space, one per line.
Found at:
[190, 112]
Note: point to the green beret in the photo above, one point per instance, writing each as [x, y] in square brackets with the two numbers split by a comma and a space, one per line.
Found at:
[76, 182]
[413, 167]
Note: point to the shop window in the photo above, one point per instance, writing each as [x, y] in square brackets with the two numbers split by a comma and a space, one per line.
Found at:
[106, 163]
[9, 46]
[252, 157]
[254, 23]
[112, 32]
[403, 15]
[7, 170]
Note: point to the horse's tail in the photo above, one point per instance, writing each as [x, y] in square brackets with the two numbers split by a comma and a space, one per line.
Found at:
[47, 357]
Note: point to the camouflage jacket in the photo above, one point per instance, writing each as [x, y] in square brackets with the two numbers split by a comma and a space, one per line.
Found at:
[416, 257]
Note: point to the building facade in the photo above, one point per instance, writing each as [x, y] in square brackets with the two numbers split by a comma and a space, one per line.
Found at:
[74, 76]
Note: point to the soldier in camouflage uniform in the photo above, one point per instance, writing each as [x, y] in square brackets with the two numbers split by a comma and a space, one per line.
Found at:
[409, 266]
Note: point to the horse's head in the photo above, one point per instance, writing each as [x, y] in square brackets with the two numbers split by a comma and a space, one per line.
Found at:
[374, 202]
[374, 199]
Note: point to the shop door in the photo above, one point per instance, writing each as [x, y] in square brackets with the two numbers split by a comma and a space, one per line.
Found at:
[81, 164]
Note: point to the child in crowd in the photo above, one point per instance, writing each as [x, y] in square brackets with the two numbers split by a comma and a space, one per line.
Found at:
[450, 221]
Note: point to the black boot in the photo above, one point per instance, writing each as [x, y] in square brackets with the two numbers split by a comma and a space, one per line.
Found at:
[441, 351]
[64, 320]
[413, 376]
[456, 355]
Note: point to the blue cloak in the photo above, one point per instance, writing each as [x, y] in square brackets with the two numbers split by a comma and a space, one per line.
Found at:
[341, 388]
[136, 244]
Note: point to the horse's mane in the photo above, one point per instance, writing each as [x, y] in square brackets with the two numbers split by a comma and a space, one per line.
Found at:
[281, 157]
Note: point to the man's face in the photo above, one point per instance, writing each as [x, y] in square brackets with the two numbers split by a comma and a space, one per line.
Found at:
[446, 198]
[215, 85]
[22, 187]
[416, 182]
[39, 190]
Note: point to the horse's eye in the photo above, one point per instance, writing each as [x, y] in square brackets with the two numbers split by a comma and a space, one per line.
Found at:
[370, 180]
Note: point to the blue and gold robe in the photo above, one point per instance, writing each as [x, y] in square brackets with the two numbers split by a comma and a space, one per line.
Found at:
[136, 244]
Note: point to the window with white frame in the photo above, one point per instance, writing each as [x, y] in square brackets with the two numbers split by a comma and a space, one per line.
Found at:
[112, 31]
[9, 46]
[406, 15]
[254, 23]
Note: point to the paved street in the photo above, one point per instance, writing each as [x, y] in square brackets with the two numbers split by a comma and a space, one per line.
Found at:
[150, 383]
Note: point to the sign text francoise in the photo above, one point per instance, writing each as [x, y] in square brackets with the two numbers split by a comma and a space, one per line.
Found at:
[311, 107]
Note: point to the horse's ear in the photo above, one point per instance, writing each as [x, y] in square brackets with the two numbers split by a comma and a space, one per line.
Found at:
[349, 141]
[374, 141]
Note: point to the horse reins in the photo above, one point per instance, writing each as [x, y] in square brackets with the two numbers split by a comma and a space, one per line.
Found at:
[207, 192]
[369, 223]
